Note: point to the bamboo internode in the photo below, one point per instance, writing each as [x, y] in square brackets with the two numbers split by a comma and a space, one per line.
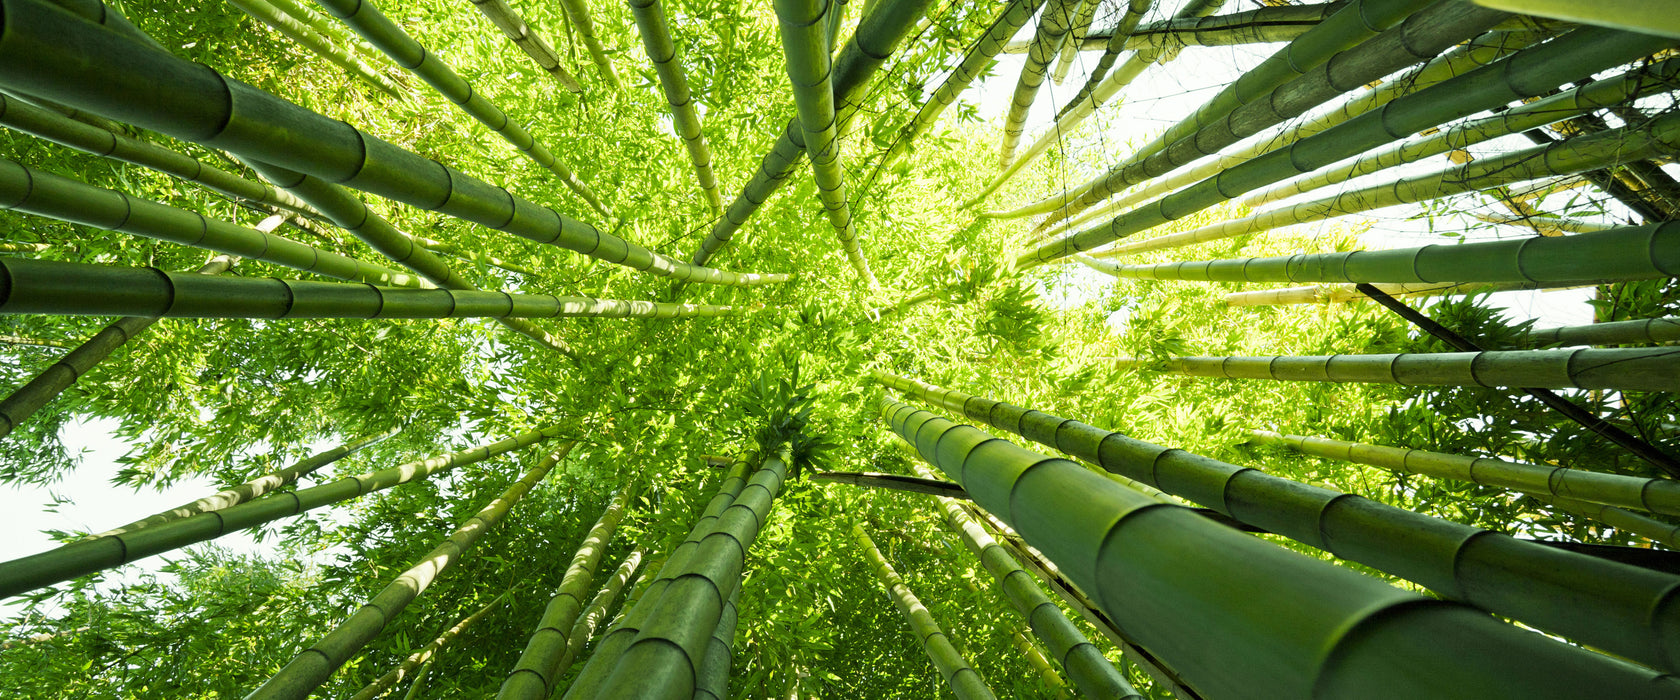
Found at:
[712, 679]
[589, 621]
[1649, 331]
[964, 682]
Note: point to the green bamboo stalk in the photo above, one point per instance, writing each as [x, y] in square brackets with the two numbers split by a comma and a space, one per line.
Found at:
[1345, 293]
[1084, 664]
[44, 287]
[1656, 138]
[1647, 331]
[1621, 369]
[1645, 80]
[351, 214]
[45, 194]
[712, 679]
[1648, 16]
[1546, 225]
[335, 53]
[18, 406]
[1040, 663]
[809, 69]
[65, 131]
[1075, 35]
[1628, 521]
[875, 38]
[639, 609]
[367, 21]
[423, 656]
[1118, 37]
[419, 676]
[46, 53]
[1523, 74]
[1053, 23]
[1211, 601]
[1266, 25]
[323, 26]
[81, 558]
[965, 682]
[516, 30]
[451, 249]
[1652, 495]
[596, 613]
[662, 660]
[1630, 253]
[9, 247]
[255, 488]
[34, 342]
[538, 669]
[656, 39]
[299, 679]
[578, 12]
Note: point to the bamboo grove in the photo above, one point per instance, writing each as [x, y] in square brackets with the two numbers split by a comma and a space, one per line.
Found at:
[1191, 349]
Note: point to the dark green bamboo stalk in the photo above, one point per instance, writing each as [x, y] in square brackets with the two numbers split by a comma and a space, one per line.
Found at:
[1613, 606]
[255, 488]
[961, 677]
[1648, 331]
[384, 34]
[894, 482]
[588, 682]
[875, 38]
[712, 679]
[1525, 74]
[82, 558]
[45, 194]
[1266, 25]
[537, 670]
[424, 656]
[44, 287]
[1346, 293]
[1083, 663]
[1053, 23]
[578, 12]
[596, 613]
[299, 679]
[18, 406]
[81, 136]
[1241, 617]
[516, 30]
[803, 32]
[323, 26]
[656, 39]
[301, 34]
[662, 660]
[45, 50]
[1645, 16]
[1070, 43]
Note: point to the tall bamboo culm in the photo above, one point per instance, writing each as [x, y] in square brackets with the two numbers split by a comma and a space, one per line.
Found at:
[424, 656]
[712, 680]
[516, 30]
[589, 621]
[578, 12]
[299, 679]
[1053, 22]
[964, 682]
[667, 64]
[323, 46]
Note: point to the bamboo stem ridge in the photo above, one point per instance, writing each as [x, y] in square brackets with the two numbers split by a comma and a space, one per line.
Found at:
[965, 682]
[255, 488]
[1081, 660]
[80, 558]
[1653, 495]
[44, 51]
[1524, 74]
[45, 194]
[18, 406]
[1053, 23]
[876, 37]
[596, 613]
[662, 661]
[537, 670]
[803, 31]
[656, 39]
[1266, 25]
[712, 679]
[300, 33]
[588, 682]
[81, 136]
[299, 679]
[1629, 253]
[516, 30]
[1650, 331]
[1616, 607]
[366, 19]
[44, 287]
[578, 12]
[1347, 634]
[424, 656]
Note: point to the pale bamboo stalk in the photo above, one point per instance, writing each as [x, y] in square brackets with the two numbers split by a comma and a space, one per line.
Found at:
[1070, 43]
[323, 26]
[516, 30]
[34, 342]
[596, 613]
[298, 32]
[656, 39]
[1648, 331]
[1546, 225]
[1053, 23]
[1646, 16]
[578, 12]
[424, 656]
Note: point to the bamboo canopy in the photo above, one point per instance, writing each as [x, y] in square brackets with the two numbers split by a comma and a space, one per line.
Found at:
[964, 682]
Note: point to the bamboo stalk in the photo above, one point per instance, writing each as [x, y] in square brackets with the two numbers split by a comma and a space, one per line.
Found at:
[34, 342]
[578, 12]
[1053, 23]
[712, 679]
[451, 249]
[656, 40]
[1037, 660]
[808, 68]
[1645, 16]
[43, 287]
[596, 612]
[299, 679]
[424, 656]
[538, 668]
[516, 30]
[1070, 42]
[384, 34]
[1546, 225]
[81, 558]
[1647, 331]
[1164, 566]
[323, 26]
[964, 681]
[1345, 293]
[42, 56]
[893, 482]
[1266, 25]
[301, 34]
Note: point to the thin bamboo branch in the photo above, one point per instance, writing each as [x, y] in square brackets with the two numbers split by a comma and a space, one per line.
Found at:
[578, 12]
[908, 484]
[424, 656]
